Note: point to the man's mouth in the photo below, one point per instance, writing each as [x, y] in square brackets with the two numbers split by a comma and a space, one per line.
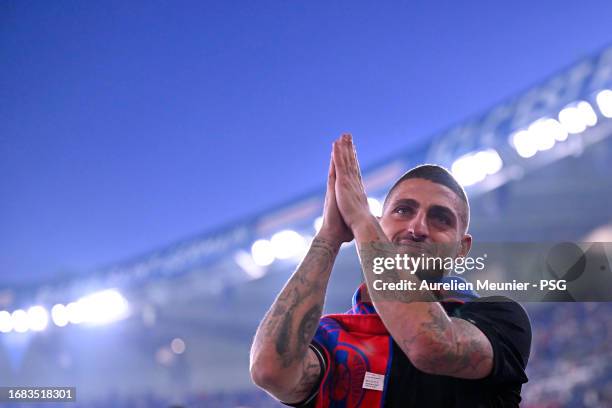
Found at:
[412, 245]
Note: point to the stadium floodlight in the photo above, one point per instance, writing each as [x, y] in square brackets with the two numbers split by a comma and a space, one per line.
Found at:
[541, 133]
[474, 167]
[59, 315]
[571, 120]
[177, 345]
[318, 223]
[74, 312]
[524, 144]
[262, 252]
[375, 206]
[287, 244]
[589, 117]
[490, 160]
[577, 117]
[556, 130]
[103, 307]
[248, 265]
[19, 320]
[38, 318]
[604, 102]
[467, 171]
[6, 323]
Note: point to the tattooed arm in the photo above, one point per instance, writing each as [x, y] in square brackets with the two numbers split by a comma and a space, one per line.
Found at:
[281, 361]
[433, 342]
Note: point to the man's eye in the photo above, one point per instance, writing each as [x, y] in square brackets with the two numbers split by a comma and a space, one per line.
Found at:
[403, 210]
[443, 219]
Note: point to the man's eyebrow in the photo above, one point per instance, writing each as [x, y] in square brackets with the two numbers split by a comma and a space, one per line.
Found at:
[406, 201]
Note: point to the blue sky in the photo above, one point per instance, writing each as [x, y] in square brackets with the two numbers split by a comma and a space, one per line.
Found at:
[125, 126]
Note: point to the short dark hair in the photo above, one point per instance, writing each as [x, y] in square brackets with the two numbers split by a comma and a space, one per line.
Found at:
[436, 174]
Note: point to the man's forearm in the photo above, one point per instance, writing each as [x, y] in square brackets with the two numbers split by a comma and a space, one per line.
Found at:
[433, 342]
[287, 329]
[413, 317]
[371, 244]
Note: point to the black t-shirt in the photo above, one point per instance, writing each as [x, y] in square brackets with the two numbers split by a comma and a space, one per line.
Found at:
[506, 325]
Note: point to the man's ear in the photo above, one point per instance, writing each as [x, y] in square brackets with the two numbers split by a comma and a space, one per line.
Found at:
[465, 246]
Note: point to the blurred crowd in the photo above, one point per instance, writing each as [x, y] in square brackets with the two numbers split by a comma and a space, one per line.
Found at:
[571, 356]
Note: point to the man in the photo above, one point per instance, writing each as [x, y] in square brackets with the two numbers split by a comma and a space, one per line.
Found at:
[407, 348]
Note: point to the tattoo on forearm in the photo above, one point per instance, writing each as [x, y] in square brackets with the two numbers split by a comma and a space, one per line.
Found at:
[452, 349]
[308, 325]
[286, 324]
[380, 249]
[311, 371]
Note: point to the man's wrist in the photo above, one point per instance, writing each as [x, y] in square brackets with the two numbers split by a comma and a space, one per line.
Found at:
[329, 239]
[365, 227]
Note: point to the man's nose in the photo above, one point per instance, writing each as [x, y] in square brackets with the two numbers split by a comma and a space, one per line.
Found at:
[417, 227]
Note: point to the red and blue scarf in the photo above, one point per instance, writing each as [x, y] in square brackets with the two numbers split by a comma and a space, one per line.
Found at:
[358, 347]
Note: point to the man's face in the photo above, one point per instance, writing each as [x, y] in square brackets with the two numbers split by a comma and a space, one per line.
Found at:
[426, 217]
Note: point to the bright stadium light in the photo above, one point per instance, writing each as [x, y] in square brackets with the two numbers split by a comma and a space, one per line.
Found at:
[318, 223]
[6, 323]
[19, 319]
[287, 244]
[576, 118]
[604, 102]
[524, 144]
[38, 318]
[177, 345]
[556, 130]
[472, 168]
[103, 307]
[262, 252]
[248, 265]
[587, 113]
[571, 120]
[74, 313]
[59, 315]
[489, 160]
[376, 207]
[541, 134]
[467, 171]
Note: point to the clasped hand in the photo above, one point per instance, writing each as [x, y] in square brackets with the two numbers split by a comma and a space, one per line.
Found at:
[346, 203]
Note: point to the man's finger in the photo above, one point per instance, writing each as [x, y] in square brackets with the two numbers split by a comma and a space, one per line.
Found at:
[338, 157]
[341, 156]
[331, 176]
[351, 156]
[333, 168]
[348, 147]
[357, 162]
[353, 162]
